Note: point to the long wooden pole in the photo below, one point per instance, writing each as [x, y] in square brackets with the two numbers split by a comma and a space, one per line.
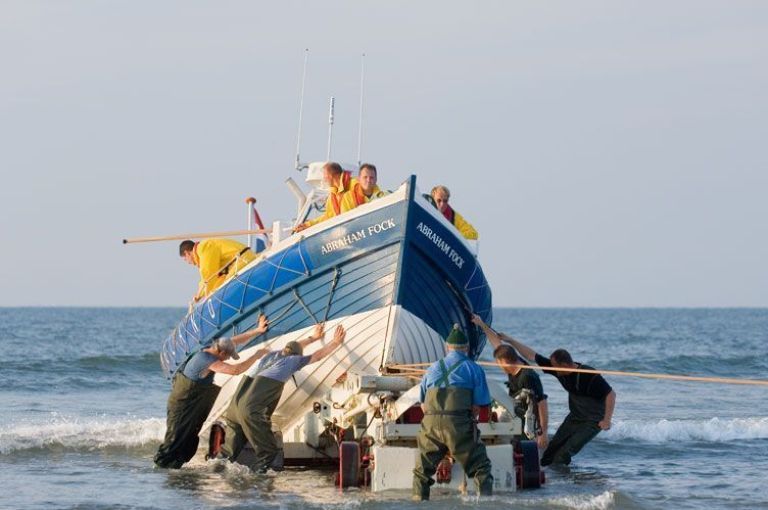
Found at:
[413, 367]
[195, 236]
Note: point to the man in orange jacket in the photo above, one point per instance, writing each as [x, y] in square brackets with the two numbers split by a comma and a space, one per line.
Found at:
[340, 181]
[364, 191]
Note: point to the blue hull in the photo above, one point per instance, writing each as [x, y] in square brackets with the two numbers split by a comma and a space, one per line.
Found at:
[400, 254]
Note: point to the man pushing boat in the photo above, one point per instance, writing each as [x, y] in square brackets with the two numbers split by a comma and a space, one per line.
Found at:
[193, 394]
[249, 416]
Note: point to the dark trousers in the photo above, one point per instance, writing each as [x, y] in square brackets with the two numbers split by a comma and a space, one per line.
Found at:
[249, 418]
[189, 404]
[569, 439]
[457, 435]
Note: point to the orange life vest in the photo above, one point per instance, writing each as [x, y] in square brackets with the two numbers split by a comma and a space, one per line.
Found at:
[346, 176]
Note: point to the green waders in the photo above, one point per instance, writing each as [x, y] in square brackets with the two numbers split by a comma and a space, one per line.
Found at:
[448, 427]
[249, 418]
[569, 439]
[189, 404]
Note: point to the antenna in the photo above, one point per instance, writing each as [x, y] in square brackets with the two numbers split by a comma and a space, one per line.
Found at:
[360, 128]
[330, 126]
[301, 108]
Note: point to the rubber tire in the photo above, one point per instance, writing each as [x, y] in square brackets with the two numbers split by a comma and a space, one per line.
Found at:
[349, 464]
[531, 468]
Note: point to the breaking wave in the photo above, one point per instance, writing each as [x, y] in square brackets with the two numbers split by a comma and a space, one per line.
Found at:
[711, 430]
[62, 433]
[602, 501]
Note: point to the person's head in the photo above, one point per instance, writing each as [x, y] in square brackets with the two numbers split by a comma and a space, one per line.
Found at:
[505, 355]
[331, 173]
[225, 349]
[367, 178]
[562, 359]
[457, 340]
[292, 348]
[187, 252]
[441, 195]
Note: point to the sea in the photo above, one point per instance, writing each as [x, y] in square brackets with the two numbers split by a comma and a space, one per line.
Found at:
[83, 411]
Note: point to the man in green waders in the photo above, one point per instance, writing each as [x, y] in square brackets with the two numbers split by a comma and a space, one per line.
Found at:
[193, 394]
[452, 392]
[249, 416]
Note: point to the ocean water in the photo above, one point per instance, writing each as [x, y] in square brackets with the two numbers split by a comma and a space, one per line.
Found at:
[83, 410]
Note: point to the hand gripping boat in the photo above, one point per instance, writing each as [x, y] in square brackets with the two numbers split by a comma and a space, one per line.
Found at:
[398, 276]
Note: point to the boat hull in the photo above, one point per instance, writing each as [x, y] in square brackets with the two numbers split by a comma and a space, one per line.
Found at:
[393, 272]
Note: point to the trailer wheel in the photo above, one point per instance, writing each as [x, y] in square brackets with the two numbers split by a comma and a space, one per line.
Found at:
[349, 464]
[527, 465]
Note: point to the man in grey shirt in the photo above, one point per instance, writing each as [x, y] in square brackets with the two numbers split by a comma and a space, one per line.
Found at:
[249, 416]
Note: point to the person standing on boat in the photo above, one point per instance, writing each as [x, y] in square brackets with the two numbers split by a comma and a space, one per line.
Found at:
[591, 401]
[249, 416]
[193, 394]
[452, 392]
[364, 190]
[340, 181]
[441, 195]
[217, 259]
[519, 381]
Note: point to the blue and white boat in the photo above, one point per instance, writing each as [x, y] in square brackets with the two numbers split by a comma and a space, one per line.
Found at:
[393, 271]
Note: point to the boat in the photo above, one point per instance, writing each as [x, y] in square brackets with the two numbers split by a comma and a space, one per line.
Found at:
[398, 276]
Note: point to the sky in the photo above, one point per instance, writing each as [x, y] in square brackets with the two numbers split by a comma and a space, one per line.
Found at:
[611, 154]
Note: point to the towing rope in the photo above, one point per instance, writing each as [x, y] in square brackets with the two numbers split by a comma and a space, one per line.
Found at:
[409, 369]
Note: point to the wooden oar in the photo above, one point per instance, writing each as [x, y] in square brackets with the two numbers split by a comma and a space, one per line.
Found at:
[195, 236]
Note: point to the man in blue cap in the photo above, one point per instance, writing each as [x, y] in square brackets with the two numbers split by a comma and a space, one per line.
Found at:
[452, 392]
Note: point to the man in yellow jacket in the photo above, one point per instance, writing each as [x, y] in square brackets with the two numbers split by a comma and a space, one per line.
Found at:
[440, 195]
[364, 190]
[340, 181]
[217, 259]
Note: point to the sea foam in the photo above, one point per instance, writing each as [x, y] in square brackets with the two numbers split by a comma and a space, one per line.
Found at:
[710, 430]
[66, 433]
[603, 501]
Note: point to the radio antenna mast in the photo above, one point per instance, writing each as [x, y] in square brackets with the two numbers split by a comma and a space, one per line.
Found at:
[330, 126]
[360, 125]
[301, 109]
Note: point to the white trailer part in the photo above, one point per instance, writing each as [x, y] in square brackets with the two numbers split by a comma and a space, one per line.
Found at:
[393, 469]
[369, 413]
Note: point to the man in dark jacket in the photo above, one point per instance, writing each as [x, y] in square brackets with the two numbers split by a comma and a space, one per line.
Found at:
[591, 401]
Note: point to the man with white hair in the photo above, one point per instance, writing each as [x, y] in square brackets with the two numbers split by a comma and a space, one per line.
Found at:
[440, 195]
[193, 394]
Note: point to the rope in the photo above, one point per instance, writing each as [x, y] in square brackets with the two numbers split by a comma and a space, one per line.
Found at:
[415, 368]
[306, 308]
[334, 282]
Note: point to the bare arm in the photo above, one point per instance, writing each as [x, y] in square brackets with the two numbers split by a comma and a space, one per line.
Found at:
[492, 336]
[318, 334]
[338, 339]
[610, 403]
[246, 337]
[523, 349]
[237, 369]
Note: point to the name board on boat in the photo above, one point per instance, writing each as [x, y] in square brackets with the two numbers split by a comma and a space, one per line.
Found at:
[363, 233]
[443, 244]
[352, 237]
